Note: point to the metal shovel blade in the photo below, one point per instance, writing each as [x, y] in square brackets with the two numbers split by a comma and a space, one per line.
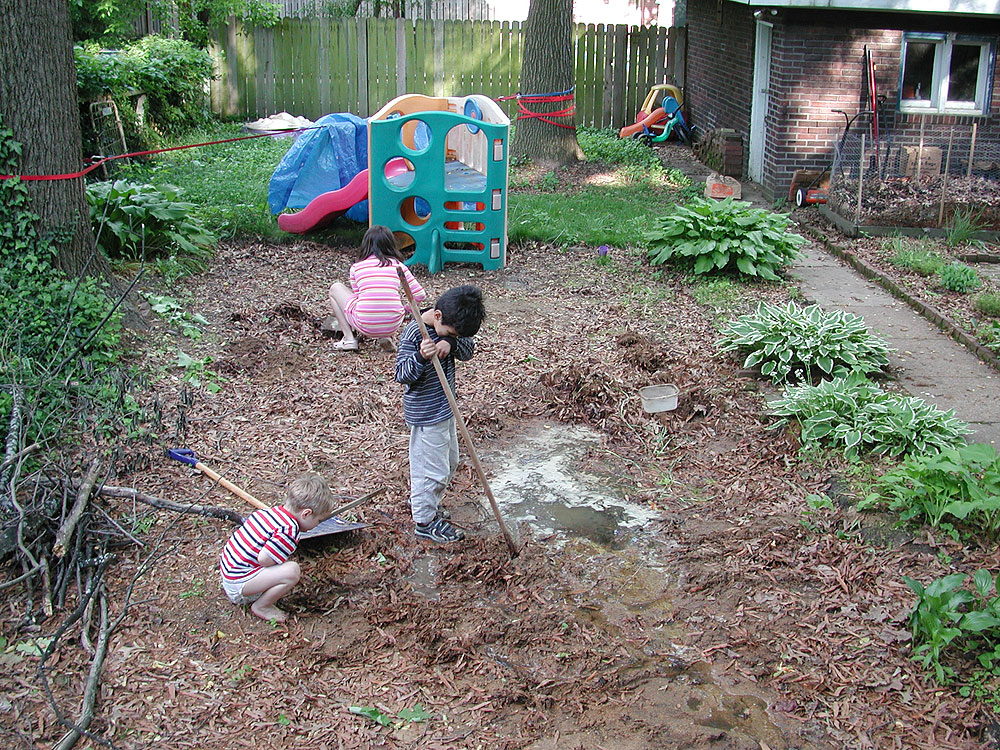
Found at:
[333, 525]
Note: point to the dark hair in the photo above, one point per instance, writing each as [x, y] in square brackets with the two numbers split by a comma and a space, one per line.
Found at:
[462, 308]
[380, 242]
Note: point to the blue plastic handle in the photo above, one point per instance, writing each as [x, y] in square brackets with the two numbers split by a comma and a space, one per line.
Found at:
[184, 455]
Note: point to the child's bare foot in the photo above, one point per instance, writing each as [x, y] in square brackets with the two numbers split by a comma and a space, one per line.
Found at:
[269, 613]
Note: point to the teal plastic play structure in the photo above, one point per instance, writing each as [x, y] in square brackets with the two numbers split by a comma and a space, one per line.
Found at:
[450, 201]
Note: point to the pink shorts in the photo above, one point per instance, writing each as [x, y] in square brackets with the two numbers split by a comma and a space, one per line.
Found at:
[376, 325]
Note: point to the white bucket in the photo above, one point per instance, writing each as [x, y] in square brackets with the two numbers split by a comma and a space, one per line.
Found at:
[659, 397]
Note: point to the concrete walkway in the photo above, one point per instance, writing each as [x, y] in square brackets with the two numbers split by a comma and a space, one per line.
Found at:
[927, 362]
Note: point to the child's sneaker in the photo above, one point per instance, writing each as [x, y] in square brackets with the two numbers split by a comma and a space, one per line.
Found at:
[439, 531]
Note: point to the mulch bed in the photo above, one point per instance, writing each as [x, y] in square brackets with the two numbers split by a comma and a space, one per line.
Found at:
[758, 622]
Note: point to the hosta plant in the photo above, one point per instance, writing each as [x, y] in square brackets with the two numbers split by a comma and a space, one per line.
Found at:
[957, 489]
[134, 221]
[707, 235]
[792, 343]
[856, 416]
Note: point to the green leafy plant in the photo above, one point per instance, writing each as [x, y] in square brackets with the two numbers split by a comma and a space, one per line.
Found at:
[372, 713]
[171, 75]
[958, 277]
[132, 221]
[856, 416]
[963, 226]
[708, 235]
[173, 312]
[60, 341]
[988, 303]
[417, 715]
[603, 145]
[196, 372]
[957, 489]
[907, 253]
[792, 343]
[948, 616]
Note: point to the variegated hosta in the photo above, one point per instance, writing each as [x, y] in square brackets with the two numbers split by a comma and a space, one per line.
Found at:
[856, 416]
[791, 343]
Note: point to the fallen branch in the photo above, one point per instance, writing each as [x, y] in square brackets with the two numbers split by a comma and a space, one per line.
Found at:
[93, 680]
[7, 462]
[65, 532]
[201, 510]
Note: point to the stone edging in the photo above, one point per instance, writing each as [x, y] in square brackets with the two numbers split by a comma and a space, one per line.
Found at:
[941, 321]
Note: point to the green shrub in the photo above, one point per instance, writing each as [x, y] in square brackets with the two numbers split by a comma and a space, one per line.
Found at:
[958, 277]
[988, 303]
[604, 146]
[135, 222]
[950, 617]
[171, 73]
[855, 415]
[792, 343]
[708, 235]
[958, 488]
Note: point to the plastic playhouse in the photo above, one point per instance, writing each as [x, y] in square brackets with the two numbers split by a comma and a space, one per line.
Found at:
[659, 117]
[436, 176]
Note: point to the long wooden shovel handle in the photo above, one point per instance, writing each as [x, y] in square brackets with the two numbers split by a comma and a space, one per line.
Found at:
[446, 387]
[215, 477]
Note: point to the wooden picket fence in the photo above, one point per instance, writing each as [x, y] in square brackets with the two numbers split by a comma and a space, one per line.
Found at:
[312, 67]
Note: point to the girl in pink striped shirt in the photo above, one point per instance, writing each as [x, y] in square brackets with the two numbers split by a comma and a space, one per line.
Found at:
[372, 306]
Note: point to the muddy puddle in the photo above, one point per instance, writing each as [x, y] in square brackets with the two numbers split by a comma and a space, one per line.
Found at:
[539, 481]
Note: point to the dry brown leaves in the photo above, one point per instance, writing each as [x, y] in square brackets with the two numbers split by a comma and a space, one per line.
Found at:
[499, 651]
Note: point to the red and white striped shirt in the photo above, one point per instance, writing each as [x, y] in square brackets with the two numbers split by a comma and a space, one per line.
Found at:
[376, 309]
[274, 530]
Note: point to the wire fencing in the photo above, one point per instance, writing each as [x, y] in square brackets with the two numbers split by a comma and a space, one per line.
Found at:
[921, 174]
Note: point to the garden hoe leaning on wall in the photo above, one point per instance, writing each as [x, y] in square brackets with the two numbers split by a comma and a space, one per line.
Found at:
[332, 525]
[415, 311]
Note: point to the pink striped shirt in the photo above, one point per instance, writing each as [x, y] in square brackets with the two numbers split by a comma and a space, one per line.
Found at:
[274, 530]
[376, 309]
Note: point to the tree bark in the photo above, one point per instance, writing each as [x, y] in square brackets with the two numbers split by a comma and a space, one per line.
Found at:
[547, 67]
[38, 102]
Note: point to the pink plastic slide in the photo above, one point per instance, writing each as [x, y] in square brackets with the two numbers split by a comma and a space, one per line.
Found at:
[654, 117]
[335, 202]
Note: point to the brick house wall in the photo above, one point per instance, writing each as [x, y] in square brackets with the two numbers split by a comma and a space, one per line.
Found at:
[719, 66]
[816, 66]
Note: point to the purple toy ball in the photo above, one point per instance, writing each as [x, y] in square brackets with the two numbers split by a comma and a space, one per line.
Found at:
[603, 250]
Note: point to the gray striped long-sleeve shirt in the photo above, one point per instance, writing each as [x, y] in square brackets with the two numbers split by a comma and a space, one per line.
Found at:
[424, 401]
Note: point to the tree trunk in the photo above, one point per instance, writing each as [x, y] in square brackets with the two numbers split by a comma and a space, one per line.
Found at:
[38, 102]
[547, 67]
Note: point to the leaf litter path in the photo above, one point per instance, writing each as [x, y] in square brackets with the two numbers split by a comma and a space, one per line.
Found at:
[728, 624]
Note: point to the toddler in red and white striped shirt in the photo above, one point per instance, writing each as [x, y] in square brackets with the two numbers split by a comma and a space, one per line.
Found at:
[254, 564]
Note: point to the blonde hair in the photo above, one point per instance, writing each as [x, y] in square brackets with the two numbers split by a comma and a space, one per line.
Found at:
[310, 491]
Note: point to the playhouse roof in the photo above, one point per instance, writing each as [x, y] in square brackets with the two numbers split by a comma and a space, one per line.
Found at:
[955, 7]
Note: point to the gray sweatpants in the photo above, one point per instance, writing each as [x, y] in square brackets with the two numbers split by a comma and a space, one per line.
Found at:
[433, 459]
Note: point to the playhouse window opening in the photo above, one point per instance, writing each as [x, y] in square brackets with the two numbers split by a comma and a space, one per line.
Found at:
[946, 74]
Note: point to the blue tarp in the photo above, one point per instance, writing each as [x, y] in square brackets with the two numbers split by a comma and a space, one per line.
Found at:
[320, 160]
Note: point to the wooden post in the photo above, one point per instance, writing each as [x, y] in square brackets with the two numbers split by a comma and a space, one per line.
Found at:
[972, 150]
[446, 387]
[944, 180]
[861, 180]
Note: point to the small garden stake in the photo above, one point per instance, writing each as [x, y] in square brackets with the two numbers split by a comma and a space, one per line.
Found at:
[415, 311]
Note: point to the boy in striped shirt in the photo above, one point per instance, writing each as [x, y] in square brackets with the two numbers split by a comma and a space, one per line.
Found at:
[451, 324]
[254, 565]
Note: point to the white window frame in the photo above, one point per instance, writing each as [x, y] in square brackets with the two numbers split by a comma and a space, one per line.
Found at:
[939, 102]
